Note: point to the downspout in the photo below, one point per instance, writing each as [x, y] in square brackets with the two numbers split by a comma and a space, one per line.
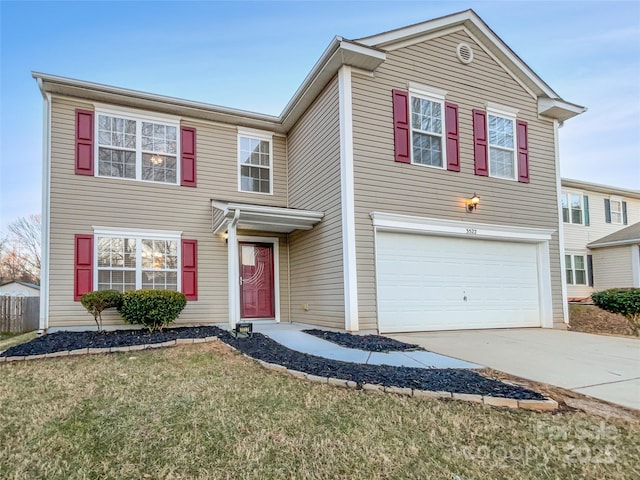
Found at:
[45, 213]
[234, 274]
[565, 300]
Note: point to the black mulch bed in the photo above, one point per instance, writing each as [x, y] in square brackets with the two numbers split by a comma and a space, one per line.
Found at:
[263, 348]
[370, 343]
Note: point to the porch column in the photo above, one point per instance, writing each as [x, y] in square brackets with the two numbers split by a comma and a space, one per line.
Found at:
[234, 273]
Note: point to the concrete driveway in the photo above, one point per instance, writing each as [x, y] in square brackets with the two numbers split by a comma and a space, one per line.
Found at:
[603, 367]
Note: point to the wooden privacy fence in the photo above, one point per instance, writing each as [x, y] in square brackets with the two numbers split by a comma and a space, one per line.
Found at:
[19, 314]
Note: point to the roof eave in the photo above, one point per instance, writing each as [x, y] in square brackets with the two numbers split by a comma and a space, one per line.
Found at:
[619, 243]
[148, 101]
[339, 52]
[559, 109]
[597, 187]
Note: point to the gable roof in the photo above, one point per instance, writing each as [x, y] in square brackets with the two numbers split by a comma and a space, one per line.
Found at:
[627, 236]
[365, 54]
[597, 187]
[24, 284]
[549, 102]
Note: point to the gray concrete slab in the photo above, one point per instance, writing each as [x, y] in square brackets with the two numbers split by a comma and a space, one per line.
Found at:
[605, 367]
[291, 335]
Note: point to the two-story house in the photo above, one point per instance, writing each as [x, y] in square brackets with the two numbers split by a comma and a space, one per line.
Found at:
[601, 237]
[411, 183]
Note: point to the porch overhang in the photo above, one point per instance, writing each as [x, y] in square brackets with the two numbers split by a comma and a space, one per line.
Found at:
[261, 218]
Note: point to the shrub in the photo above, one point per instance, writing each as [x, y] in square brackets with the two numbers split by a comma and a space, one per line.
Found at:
[625, 301]
[98, 301]
[152, 308]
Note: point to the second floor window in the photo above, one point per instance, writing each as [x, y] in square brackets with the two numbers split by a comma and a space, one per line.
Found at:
[615, 206]
[501, 133]
[255, 163]
[426, 131]
[137, 149]
[572, 208]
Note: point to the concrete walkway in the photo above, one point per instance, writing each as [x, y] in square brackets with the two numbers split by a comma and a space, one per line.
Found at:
[600, 366]
[291, 335]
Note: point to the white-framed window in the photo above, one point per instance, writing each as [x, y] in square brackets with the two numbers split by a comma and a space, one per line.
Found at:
[255, 161]
[615, 206]
[135, 259]
[137, 145]
[427, 126]
[575, 269]
[501, 137]
[572, 208]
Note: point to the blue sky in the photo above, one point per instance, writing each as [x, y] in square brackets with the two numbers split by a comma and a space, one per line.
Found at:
[254, 55]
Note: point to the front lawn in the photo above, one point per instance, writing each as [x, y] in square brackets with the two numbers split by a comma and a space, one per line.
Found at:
[207, 412]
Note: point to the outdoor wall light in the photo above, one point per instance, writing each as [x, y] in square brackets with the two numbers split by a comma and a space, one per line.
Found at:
[473, 202]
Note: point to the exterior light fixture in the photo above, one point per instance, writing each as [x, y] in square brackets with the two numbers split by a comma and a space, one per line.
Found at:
[473, 202]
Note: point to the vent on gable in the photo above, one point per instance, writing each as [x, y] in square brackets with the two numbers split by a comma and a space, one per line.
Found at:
[464, 52]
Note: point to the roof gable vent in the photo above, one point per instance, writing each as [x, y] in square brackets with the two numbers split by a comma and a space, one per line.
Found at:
[464, 52]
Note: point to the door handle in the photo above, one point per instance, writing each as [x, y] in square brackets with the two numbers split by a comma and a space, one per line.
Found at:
[240, 280]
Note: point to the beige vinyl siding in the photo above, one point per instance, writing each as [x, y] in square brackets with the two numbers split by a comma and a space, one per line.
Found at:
[613, 267]
[79, 203]
[576, 236]
[314, 184]
[381, 184]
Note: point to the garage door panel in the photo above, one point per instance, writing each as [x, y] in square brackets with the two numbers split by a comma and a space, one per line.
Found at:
[442, 283]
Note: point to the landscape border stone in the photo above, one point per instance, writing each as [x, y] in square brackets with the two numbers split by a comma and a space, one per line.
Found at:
[546, 405]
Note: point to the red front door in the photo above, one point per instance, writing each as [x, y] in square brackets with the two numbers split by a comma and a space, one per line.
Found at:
[256, 281]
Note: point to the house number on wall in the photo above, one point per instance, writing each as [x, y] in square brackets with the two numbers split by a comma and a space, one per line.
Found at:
[472, 231]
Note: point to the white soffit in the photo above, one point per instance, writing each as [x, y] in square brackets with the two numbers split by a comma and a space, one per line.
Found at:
[263, 218]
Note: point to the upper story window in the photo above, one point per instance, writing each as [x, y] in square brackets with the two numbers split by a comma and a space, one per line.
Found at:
[501, 127]
[572, 211]
[255, 161]
[137, 148]
[615, 206]
[134, 261]
[427, 124]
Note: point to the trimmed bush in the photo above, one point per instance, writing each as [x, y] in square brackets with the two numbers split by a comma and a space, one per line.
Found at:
[152, 308]
[98, 301]
[625, 301]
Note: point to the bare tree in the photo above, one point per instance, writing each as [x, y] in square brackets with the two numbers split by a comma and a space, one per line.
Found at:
[20, 251]
[25, 232]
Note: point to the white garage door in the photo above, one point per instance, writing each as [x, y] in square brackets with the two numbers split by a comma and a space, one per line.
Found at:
[449, 283]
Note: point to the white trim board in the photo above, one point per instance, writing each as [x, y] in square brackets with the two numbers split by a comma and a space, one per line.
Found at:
[350, 279]
[436, 226]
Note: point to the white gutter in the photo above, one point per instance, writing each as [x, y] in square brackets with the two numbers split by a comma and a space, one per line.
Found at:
[45, 214]
[615, 243]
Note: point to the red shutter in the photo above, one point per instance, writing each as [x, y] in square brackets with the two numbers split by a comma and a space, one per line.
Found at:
[401, 125]
[480, 142]
[523, 151]
[83, 266]
[190, 269]
[188, 156]
[84, 142]
[453, 143]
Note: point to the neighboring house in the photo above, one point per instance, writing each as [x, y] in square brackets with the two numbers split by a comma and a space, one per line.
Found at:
[599, 237]
[349, 210]
[23, 289]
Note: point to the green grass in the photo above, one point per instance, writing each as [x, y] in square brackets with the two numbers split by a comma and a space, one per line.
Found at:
[8, 340]
[204, 412]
